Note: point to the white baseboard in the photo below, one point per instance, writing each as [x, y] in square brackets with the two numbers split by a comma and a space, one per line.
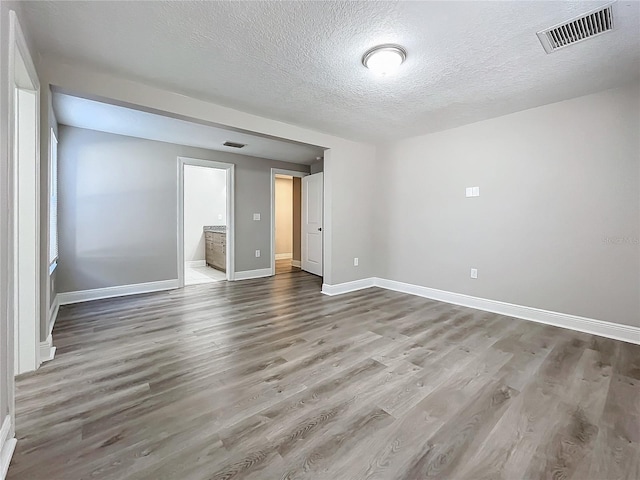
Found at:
[283, 256]
[296, 263]
[118, 291]
[347, 287]
[47, 350]
[247, 274]
[7, 446]
[625, 333]
[196, 263]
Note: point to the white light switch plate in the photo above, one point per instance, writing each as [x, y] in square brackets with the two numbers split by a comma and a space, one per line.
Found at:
[469, 191]
[256, 216]
[474, 273]
[355, 261]
[476, 191]
[257, 253]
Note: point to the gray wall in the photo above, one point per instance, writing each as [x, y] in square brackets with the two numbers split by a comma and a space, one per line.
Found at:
[317, 166]
[118, 208]
[557, 222]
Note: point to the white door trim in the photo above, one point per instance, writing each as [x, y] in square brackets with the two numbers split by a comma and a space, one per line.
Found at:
[230, 168]
[24, 84]
[274, 172]
[24, 77]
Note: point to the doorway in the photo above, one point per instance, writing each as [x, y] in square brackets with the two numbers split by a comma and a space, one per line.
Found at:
[205, 243]
[305, 215]
[287, 212]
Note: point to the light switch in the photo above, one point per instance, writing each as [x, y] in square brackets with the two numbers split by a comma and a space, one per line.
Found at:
[257, 253]
[256, 216]
[476, 191]
[474, 273]
[469, 192]
[219, 216]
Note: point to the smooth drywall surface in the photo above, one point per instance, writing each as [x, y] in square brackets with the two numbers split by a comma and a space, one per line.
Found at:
[557, 222]
[297, 218]
[317, 166]
[205, 203]
[354, 158]
[118, 208]
[284, 215]
[6, 198]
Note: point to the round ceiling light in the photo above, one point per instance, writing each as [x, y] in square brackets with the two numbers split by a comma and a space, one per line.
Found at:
[384, 59]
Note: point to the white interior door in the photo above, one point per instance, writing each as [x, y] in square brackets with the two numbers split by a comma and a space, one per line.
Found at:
[312, 186]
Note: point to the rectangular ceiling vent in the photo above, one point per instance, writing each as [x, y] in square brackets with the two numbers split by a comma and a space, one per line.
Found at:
[234, 144]
[577, 29]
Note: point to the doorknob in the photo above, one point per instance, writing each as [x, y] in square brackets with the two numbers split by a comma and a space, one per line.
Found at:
[319, 229]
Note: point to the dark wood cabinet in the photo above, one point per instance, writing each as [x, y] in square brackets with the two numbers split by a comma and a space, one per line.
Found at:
[216, 250]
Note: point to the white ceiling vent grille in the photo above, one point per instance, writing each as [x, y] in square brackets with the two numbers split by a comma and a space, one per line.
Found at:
[578, 29]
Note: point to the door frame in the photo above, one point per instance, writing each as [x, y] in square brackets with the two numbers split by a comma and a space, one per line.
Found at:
[24, 79]
[274, 172]
[230, 170]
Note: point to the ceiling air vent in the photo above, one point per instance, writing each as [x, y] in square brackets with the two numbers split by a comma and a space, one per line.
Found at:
[577, 29]
[234, 144]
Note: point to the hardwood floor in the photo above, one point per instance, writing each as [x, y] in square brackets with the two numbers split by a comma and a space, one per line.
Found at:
[269, 379]
[285, 266]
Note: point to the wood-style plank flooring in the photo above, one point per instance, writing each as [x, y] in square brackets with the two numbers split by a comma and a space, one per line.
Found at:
[270, 379]
[285, 266]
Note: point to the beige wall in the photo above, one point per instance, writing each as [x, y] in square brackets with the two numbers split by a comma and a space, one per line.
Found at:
[297, 218]
[284, 215]
[557, 223]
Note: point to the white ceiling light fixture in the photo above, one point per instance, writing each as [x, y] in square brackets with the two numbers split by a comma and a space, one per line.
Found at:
[384, 59]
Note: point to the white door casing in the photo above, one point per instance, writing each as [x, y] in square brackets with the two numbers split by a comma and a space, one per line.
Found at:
[312, 215]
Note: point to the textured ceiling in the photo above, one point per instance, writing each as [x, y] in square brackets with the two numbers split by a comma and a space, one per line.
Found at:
[84, 113]
[299, 62]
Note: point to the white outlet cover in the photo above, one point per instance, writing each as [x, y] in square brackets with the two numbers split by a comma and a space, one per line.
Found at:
[355, 261]
[256, 216]
[257, 253]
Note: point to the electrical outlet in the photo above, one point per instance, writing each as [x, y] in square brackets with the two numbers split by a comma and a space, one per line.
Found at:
[219, 216]
[256, 216]
[474, 273]
[355, 261]
[257, 253]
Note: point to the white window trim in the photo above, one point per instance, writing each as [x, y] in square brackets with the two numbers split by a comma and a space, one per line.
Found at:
[53, 193]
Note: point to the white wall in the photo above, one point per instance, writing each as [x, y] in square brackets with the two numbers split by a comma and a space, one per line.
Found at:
[6, 225]
[557, 223]
[284, 215]
[205, 203]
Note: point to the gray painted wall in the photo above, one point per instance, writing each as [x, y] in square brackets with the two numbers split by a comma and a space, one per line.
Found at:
[118, 208]
[557, 222]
